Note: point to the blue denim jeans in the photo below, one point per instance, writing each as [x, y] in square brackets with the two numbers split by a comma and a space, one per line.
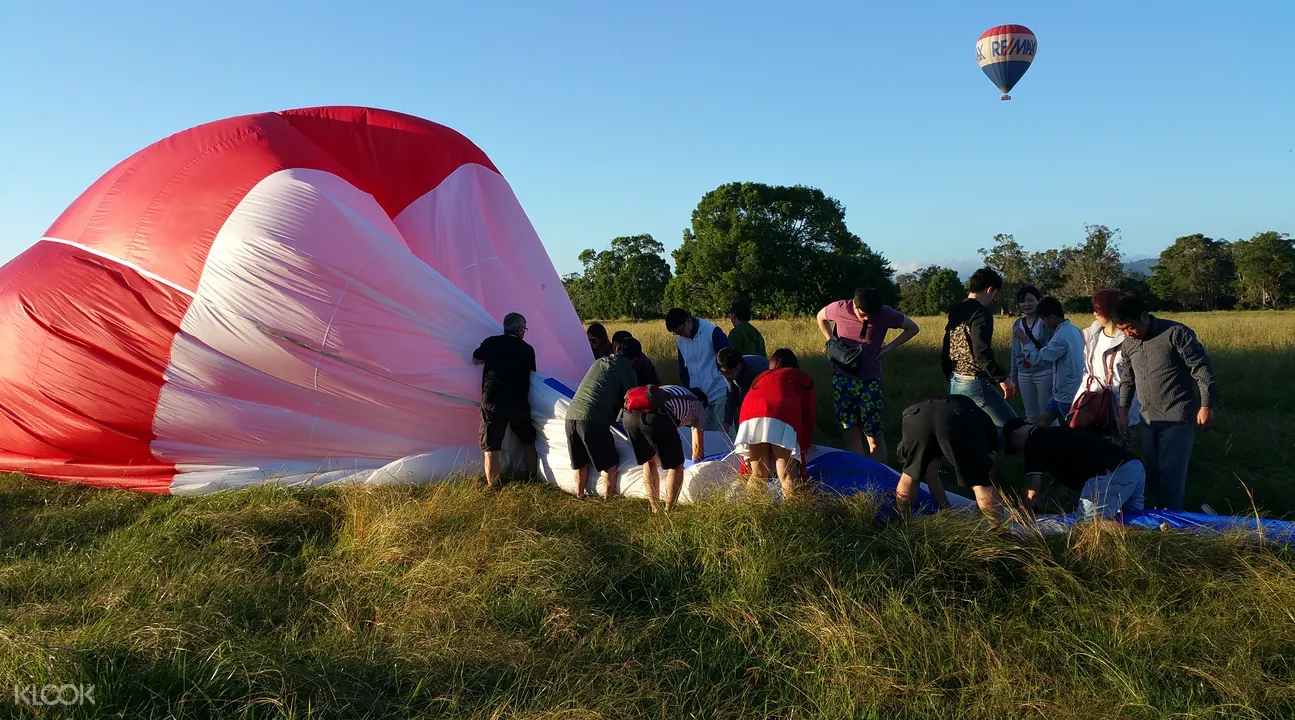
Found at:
[1166, 451]
[986, 395]
[1121, 490]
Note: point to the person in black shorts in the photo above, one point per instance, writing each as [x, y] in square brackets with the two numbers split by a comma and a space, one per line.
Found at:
[954, 429]
[590, 415]
[505, 394]
[655, 437]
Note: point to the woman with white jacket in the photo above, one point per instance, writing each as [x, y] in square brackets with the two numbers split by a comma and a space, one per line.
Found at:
[1102, 354]
[1034, 380]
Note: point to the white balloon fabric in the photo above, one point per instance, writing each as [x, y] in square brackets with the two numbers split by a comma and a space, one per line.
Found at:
[291, 298]
[281, 297]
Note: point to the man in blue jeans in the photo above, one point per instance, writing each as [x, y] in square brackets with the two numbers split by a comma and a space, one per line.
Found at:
[1161, 358]
[967, 356]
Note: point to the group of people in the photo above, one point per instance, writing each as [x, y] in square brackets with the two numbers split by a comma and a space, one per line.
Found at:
[763, 403]
[1082, 391]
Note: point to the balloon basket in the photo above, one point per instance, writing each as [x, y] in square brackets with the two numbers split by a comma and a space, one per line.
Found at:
[1005, 97]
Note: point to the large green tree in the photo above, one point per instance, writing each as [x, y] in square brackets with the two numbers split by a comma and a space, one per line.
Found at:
[1195, 271]
[932, 290]
[627, 280]
[1094, 265]
[1265, 267]
[1011, 261]
[944, 291]
[1047, 271]
[785, 249]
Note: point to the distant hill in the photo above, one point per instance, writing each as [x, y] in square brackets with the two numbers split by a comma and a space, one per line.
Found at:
[1142, 266]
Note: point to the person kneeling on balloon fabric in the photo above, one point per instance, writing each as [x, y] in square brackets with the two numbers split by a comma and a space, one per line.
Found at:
[1109, 478]
[652, 417]
[952, 428]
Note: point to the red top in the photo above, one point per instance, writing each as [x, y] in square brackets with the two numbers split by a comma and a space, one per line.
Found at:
[1006, 30]
[786, 394]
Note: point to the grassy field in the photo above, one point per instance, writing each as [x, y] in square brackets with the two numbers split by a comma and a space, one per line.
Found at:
[446, 601]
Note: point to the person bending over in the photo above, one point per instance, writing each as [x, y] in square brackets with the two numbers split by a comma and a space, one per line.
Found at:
[739, 372]
[590, 416]
[639, 360]
[954, 429]
[1108, 478]
[697, 341]
[777, 423]
[652, 416]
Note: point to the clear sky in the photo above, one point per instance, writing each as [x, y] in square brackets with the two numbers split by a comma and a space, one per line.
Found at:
[609, 118]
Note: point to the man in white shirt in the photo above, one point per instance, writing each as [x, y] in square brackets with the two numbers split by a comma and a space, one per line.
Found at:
[1066, 353]
[697, 342]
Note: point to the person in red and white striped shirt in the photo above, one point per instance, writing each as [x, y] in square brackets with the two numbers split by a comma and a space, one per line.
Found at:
[654, 434]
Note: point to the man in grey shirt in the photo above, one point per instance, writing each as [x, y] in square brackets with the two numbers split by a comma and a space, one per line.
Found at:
[1161, 358]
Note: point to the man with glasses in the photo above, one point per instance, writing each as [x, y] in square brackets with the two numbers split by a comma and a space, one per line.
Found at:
[505, 395]
[1165, 364]
[697, 342]
[739, 372]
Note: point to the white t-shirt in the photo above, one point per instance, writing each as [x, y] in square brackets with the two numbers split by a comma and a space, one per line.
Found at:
[1096, 358]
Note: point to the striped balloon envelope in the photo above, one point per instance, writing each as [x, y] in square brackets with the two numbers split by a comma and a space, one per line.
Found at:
[1004, 53]
[289, 297]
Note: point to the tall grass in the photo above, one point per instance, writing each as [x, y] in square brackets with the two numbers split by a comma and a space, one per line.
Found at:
[1247, 460]
[446, 601]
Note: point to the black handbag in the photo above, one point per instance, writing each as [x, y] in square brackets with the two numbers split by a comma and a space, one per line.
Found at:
[847, 356]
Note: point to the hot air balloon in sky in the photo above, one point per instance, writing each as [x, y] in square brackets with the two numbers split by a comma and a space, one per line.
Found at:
[1005, 53]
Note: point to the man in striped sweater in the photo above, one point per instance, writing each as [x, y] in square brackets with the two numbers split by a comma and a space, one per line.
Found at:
[1161, 358]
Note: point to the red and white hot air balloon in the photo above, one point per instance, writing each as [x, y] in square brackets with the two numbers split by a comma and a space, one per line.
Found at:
[279, 297]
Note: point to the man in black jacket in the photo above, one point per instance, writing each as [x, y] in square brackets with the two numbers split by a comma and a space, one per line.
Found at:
[967, 356]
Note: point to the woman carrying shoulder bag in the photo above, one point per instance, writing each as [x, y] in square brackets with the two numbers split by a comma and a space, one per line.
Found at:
[1102, 354]
[1033, 379]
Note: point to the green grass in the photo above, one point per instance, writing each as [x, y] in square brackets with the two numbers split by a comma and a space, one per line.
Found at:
[446, 601]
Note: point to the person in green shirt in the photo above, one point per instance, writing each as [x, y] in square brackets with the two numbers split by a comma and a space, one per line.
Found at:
[744, 337]
[591, 413]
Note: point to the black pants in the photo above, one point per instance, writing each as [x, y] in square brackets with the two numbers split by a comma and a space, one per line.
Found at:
[654, 434]
[952, 427]
[496, 420]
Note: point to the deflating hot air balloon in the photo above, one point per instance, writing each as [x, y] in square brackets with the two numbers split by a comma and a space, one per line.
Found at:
[1005, 53]
[290, 296]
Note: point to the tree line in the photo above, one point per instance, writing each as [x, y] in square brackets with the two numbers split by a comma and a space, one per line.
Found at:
[787, 250]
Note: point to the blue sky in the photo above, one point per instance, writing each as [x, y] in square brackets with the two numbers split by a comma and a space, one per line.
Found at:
[1159, 118]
